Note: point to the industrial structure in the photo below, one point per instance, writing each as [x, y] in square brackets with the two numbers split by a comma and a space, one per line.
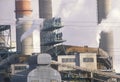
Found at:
[24, 14]
[103, 9]
[74, 63]
[45, 9]
[106, 37]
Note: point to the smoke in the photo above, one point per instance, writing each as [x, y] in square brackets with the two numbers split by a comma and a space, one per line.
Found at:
[112, 21]
[67, 7]
[35, 25]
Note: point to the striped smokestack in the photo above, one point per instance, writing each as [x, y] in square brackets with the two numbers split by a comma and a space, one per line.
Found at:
[24, 15]
[23, 8]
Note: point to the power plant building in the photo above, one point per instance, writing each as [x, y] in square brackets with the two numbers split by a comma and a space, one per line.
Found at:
[30, 66]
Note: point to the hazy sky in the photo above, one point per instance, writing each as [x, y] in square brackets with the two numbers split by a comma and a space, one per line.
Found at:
[79, 19]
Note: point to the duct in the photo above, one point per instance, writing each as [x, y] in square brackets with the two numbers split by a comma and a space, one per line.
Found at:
[9, 60]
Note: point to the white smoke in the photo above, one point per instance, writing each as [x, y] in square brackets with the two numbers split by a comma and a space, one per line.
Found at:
[67, 7]
[111, 23]
[35, 25]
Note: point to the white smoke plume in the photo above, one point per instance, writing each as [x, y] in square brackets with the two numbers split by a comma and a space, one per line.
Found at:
[111, 23]
[36, 24]
[67, 7]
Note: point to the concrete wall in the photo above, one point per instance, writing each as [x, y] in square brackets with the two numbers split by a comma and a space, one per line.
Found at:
[65, 59]
[90, 62]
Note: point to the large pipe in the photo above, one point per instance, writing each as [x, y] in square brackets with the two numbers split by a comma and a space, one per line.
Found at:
[24, 14]
[45, 9]
[104, 7]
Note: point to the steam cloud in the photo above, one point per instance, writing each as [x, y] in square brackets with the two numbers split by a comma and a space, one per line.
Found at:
[68, 6]
[112, 21]
[35, 25]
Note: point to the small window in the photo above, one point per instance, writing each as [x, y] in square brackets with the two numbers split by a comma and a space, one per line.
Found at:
[53, 80]
[88, 60]
[20, 67]
[68, 59]
[35, 81]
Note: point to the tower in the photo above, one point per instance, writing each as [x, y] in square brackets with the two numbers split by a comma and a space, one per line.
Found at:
[23, 15]
[103, 7]
[45, 9]
[106, 41]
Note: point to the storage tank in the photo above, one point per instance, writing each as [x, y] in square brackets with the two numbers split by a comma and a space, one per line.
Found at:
[45, 9]
[103, 7]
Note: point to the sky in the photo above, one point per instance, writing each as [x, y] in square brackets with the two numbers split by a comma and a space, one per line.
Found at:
[79, 19]
[76, 23]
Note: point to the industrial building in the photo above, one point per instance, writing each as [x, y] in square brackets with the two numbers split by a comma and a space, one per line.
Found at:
[23, 62]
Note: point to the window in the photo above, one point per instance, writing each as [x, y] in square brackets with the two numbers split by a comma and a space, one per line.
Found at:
[53, 81]
[68, 59]
[35, 81]
[88, 60]
[20, 67]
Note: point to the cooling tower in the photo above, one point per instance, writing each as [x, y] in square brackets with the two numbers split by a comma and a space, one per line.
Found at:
[103, 7]
[45, 9]
[23, 15]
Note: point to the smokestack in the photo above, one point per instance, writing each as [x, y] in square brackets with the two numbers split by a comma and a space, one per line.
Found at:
[45, 9]
[24, 14]
[106, 41]
[23, 8]
[104, 7]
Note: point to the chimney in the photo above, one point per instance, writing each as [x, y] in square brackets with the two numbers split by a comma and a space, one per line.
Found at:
[24, 15]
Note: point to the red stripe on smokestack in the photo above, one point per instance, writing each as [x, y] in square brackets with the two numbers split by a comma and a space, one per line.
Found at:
[23, 8]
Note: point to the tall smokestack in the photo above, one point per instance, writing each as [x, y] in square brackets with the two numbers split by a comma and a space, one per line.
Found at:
[104, 7]
[45, 9]
[23, 8]
[24, 14]
[106, 41]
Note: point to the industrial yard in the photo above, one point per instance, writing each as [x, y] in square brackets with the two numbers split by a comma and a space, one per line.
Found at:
[32, 47]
